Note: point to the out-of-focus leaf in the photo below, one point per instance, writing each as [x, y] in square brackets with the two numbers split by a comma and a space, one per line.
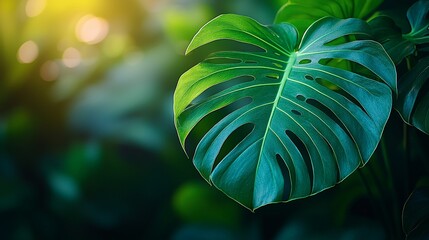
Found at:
[302, 13]
[256, 9]
[19, 125]
[204, 232]
[176, 21]
[413, 99]
[196, 203]
[128, 104]
[415, 215]
[64, 186]
[13, 194]
[320, 228]
[390, 35]
[80, 159]
[394, 39]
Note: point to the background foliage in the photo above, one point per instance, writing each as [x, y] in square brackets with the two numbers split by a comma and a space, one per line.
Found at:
[87, 142]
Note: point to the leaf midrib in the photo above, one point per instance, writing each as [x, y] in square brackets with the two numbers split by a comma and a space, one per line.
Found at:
[288, 69]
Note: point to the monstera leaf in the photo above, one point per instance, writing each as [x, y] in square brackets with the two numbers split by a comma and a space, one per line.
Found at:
[394, 39]
[303, 13]
[415, 214]
[413, 99]
[305, 136]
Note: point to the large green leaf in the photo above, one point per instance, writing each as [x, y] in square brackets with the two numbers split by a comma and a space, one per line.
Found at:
[413, 99]
[395, 40]
[305, 136]
[415, 215]
[302, 13]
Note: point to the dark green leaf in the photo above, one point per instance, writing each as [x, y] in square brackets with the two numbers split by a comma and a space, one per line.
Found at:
[195, 203]
[305, 136]
[390, 35]
[398, 43]
[303, 13]
[413, 99]
[415, 216]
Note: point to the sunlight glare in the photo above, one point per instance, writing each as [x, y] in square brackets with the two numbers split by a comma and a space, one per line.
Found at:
[71, 57]
[28, 52]
[91, 29]
[34, 7]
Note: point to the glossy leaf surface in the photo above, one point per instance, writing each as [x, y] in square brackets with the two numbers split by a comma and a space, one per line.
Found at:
[395, 40]
[305, 137]
[303, 13]
[413, 99]
[415, 215]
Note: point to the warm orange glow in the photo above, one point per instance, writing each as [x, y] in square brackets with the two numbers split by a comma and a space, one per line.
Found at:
[34, 7]
[91, 29]
[49, 71]
[71, 57]
[28, 52]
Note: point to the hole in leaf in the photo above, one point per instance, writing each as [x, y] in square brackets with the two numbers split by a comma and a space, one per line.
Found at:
[305, 61]
[328, 113]
[352, 99]
[240, 103]
[337, 63]
[346, 39]
[273, 76]
[335, 88]
[220, 87]
[339, 41]
[331, 150]
[286, 177]
[300, 98]
[327, 84]
[225, 45]
[278, 65]
[222, 60]
[304, 152]
[308, 77]
[207, 122]
[250, 62]
[296, 112]
[233, 140]
[349, 66]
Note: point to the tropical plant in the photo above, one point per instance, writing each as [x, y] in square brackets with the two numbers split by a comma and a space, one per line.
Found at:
[305, 102]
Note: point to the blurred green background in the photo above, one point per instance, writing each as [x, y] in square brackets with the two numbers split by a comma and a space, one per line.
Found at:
[88, 148]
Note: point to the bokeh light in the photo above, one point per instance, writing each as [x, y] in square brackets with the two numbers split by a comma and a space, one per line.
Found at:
[91, 29]
[34, 8]
[71, 57]
[88, 148]
[28, 52]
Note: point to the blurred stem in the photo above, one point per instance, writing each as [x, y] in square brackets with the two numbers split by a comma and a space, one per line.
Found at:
[408, 60]
[381, 189]
[396, 209]
[406, 147]
[376, 202]
[386, 162]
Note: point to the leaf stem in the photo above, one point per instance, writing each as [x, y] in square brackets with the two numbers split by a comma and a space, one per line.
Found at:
[406, 147]
[408, 60]
[377, 203]
[396, 209]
